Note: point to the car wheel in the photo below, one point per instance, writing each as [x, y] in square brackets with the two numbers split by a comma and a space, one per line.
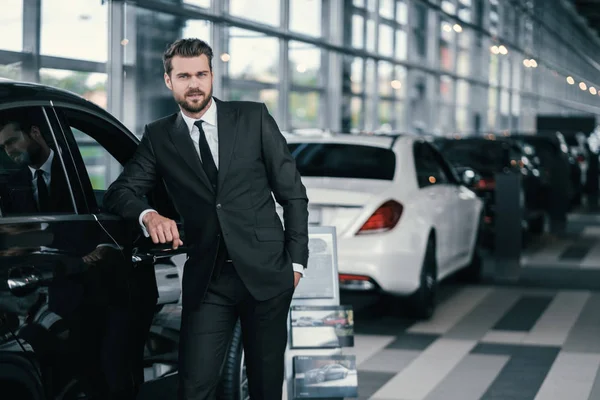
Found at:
[234, 382]
[320, 378]
[423, 300]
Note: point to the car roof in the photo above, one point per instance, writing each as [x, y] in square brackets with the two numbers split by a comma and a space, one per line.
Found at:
[12, 91]
[376, 140]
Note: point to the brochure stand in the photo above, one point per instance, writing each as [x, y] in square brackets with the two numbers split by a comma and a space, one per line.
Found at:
[319, 328]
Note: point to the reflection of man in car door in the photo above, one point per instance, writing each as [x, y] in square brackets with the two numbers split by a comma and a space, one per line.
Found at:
[37, 184]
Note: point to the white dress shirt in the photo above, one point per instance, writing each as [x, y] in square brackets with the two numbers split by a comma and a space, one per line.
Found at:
[209, 125]
[46, 169]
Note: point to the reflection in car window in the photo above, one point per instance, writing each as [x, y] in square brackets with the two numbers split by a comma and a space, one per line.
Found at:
[32, 178]
[339, 160]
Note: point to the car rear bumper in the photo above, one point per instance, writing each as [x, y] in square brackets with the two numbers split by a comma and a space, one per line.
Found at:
[372, 263]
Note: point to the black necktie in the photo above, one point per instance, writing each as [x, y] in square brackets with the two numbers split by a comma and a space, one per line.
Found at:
[208, 163]
[42, 189]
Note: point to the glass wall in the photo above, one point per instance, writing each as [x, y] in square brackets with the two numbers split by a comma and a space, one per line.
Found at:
[421, 66]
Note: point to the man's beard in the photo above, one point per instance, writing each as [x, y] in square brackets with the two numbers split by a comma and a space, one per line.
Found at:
[21, 158]
[192, 107]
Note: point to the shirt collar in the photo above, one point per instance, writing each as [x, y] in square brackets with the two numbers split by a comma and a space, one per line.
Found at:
[209, 117]
[46, 167]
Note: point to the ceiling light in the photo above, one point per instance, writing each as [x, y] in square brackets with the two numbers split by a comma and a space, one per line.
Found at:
[225, 57]
[593, 90]
[457, 28]
[495, 49]
[396, 84]
[570, 80]
[503, 50]
[582, 86]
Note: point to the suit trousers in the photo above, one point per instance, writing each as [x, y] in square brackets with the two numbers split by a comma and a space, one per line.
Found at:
[207, 331]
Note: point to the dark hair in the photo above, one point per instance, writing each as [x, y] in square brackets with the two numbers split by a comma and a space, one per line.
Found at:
[25, 118]
[186, 48]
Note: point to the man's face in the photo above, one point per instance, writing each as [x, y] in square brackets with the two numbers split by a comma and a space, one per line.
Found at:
[17, 145]
[191, 82]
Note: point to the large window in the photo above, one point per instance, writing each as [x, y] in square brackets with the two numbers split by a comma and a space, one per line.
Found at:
[91, 86]
[11, 26]
[305, 17]
[267, 13]
[254, 56]
[74, 29]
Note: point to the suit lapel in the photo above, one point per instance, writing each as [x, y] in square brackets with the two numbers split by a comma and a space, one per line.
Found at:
[227, 130]
[184, 144]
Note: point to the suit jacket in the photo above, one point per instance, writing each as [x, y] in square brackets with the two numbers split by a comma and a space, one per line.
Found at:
[17, 194]
[254, 165]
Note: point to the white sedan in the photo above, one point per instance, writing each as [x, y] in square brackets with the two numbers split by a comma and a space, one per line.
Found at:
[403, 217]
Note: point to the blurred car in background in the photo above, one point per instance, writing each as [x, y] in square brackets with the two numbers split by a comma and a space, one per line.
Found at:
[488, 156]
[560, 171]
[403, 217]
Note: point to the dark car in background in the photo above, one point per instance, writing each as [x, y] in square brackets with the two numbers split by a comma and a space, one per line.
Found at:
[484, 157]
[561, 171]
[77, 285]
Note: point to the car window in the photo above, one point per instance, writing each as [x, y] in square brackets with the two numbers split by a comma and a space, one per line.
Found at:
[101, 149]
[97, 146]
[482, 155]
[32, 175]
[341, 160]
[448, 170]
[429, 170]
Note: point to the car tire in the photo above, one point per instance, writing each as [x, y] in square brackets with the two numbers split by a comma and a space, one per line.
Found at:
[422, 302]
[234, 383]
[320, 378]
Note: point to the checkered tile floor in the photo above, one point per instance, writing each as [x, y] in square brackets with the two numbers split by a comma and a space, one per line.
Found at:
[485, 343]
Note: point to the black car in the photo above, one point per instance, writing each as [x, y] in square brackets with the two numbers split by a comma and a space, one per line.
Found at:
[488, 156]
[561, 170]
[77, 285]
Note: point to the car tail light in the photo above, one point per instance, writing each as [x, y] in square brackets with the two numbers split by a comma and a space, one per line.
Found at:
[350, 277]
[356, 282]
[486, 184]
[383, 219]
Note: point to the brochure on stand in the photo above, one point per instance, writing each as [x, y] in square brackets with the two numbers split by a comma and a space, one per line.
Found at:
[320, 279]
[325, 377]
[321, 326]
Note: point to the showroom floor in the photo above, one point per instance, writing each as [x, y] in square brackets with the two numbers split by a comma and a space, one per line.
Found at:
[495, 342]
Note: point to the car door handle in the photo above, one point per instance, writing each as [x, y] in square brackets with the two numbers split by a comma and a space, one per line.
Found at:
[156, 254]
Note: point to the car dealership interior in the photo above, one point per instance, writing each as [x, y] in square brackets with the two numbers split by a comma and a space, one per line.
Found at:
[450, 153]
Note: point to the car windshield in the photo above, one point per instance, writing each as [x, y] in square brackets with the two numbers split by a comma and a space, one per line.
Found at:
[483, 155]
[341, 160]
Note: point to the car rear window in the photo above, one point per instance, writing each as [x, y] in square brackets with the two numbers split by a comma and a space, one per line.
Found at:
[340, 160]
[483, 155]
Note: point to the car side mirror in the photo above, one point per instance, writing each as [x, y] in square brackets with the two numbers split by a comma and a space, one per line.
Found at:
[468, 177]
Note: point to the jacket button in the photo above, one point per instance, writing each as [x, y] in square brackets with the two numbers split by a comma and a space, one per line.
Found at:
[218, 206]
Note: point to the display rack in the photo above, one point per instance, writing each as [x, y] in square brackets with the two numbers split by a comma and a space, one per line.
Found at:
[319, 287]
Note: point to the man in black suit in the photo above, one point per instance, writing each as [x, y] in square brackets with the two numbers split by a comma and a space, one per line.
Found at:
[39, 184]
[222, 162]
